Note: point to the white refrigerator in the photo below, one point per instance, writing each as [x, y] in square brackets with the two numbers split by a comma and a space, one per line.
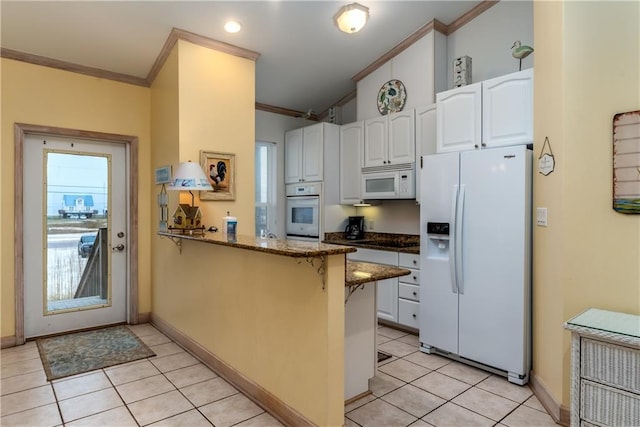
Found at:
[475, 288]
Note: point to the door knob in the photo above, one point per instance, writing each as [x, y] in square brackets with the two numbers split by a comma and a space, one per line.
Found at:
[118, 248]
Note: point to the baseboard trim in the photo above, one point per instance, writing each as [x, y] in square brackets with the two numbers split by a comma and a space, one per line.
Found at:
[277, 408]
[6, 342]
[144, 317]
[560, 413]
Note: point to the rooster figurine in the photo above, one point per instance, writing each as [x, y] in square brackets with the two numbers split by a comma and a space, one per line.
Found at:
[520, 52]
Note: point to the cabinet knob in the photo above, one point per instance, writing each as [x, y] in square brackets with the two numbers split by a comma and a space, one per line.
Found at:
[415, 262]
[484, 145]
[414, 316]
[476, 146]
[415, 294]
[415, 278]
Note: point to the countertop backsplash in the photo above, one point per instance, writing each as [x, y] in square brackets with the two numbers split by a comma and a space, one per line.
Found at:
[382, 241]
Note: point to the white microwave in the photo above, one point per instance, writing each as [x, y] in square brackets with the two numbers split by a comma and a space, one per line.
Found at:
[393, 184]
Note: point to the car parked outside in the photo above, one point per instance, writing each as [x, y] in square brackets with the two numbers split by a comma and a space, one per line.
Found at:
[86, 244]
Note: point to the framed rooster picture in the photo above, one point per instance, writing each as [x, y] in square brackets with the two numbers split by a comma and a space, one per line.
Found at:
[220, 169]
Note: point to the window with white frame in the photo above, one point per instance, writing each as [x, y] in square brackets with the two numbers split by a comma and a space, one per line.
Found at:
[265, 188]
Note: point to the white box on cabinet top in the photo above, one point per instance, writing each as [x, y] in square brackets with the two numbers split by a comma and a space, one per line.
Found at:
[304, 151]
[493, 113]
[390, 139]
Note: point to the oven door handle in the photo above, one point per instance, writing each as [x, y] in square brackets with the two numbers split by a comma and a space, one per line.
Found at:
[304, 197]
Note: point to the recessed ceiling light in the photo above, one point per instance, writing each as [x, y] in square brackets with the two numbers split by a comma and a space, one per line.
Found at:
[232, 26]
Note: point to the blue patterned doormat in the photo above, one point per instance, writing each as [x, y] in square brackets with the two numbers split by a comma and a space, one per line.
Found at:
[72, 354]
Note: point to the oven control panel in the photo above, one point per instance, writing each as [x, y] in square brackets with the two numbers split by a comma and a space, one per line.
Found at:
[303, 189]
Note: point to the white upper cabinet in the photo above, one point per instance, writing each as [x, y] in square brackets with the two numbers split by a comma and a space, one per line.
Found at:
[303, 150]
[390, 139]
[425, 139]
[492, 113]
[402, 137]
[375, 141]
[293, 156]
[507, 107]
[459, 118]
[351, 151]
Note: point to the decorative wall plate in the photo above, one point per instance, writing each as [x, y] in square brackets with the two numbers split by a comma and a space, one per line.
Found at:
[391, 97]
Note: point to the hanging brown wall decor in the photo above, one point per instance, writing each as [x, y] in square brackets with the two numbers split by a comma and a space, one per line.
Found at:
[626, 162]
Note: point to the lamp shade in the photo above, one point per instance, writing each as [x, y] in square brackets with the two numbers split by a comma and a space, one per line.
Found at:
[351, 18]
[189, 176]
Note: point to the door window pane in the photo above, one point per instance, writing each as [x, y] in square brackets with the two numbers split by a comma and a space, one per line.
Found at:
[76, 259]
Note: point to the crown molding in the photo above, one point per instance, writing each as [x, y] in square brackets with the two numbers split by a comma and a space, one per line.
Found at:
[284, 111]
[178, 34]
[74, 68]
[470, 15]
[433, 25]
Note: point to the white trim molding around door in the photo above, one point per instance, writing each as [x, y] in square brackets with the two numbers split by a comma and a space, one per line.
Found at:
[131, 143]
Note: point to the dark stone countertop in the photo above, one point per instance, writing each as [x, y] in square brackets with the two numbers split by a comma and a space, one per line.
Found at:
[406, 243]
[364, 272]
[290, 248]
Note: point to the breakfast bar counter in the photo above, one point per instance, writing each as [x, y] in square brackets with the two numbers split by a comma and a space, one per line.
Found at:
[290, 248]
[281, 294]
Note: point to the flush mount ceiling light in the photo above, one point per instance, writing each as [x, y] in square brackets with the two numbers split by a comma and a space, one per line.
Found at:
[351, 18]
[232, 27]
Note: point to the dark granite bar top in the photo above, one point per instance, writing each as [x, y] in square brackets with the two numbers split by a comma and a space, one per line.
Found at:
[290, 248]
[407, 243]
[365, 272]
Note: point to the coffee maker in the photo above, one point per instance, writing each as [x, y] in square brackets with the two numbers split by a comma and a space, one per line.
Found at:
[355, 228]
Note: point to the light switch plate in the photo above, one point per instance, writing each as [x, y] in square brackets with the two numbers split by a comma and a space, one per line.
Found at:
[541, 217]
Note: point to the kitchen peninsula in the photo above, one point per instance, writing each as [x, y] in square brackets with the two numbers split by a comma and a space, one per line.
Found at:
[269, 316]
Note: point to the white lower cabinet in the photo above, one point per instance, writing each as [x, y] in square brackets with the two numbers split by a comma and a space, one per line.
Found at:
[398, 299]
[409, 291]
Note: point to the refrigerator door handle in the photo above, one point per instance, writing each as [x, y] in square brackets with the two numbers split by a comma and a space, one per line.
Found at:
[458, 239]
[452, 240]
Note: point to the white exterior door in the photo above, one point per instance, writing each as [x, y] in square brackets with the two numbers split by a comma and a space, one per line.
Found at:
[75, 235]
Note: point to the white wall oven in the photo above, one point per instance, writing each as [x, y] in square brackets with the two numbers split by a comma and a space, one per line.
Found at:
[303, 211]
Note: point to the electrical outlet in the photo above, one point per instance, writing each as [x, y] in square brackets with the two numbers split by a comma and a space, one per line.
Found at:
[541, 217]
[369, 225]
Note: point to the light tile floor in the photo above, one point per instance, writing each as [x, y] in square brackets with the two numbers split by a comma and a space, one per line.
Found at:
[175, 389]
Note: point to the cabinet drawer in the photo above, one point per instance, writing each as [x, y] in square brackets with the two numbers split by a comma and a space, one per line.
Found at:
[375, 256]
[407, 291]
[413, 278]
[610, 364]
[408, 312]
[608, 406]
[409, 260]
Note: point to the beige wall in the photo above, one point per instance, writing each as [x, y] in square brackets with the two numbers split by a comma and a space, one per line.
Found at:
[587, 70]
[266, 316]
[43, 96]
[217, 113]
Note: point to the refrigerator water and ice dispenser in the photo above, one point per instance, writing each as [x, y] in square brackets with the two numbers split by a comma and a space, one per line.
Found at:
[438, 243]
